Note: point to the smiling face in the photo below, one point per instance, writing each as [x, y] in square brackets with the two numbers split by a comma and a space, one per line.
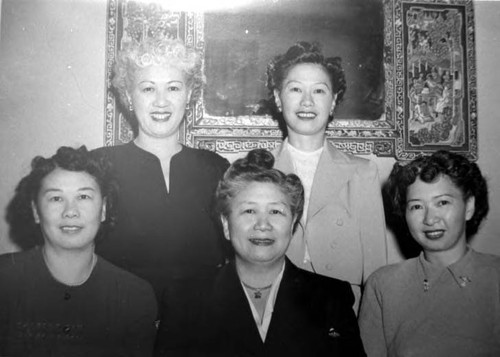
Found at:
[69, 208]
[259, 224]
[159, 97]
[436, 214]
[306, 99]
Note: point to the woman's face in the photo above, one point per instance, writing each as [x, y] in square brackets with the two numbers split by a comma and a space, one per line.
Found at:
[159, 96]
[69, 208]
[259, 224]
[306, 99]
[436, 214]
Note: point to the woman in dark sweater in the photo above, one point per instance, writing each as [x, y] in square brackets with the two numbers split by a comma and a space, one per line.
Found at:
[165, 231]
[60, 298]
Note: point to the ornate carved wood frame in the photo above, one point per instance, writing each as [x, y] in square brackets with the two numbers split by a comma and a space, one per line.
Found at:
[427, 90]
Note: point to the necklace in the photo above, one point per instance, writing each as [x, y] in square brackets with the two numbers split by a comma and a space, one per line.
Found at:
[257, 292]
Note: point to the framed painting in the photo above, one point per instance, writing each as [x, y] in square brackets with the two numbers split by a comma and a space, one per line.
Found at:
[410, 69]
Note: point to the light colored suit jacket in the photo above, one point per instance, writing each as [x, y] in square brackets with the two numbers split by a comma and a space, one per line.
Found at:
[345, 227]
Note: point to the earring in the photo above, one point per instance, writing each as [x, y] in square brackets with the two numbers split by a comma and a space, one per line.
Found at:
[130, 107]
[278, 105]
[331, 112]
[187, 106]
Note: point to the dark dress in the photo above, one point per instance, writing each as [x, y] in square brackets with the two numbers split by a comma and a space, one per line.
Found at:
[112, 314]
[312, 316]
[165, 235]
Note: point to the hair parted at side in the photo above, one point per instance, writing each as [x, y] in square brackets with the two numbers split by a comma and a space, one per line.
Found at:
[465, 174]
[305, 52]
[23, 228]
[163, 52]
[257, 166]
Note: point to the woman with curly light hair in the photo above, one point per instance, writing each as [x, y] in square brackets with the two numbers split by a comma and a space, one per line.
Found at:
[342, 232]
[165, 231]
[446, 301]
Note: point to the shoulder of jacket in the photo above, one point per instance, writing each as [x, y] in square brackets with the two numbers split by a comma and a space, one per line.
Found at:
[206, 156]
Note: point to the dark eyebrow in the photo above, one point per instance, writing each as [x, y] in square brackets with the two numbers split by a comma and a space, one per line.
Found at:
[50, 190]
[86, 189]
[316, 83]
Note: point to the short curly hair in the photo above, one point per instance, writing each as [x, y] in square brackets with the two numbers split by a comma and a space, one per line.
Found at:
[23, 229]
[305, 52]
[164, 52]
[257, 166]
[464, 174]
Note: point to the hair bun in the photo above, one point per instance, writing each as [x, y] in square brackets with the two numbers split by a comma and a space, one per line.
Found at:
[261, 158]
[256, 159]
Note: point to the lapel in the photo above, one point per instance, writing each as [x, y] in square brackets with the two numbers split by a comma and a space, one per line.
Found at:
[232, 312]
[283, 160]
[331, 181]
[290, 317]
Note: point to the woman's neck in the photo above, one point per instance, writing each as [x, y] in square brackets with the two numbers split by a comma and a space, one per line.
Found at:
[163, 148]
[258, 275]
[71, 268]
[306, 143]
[447, 258]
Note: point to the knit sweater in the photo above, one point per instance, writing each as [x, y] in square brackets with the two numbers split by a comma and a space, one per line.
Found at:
[111, 314]
[417, 309]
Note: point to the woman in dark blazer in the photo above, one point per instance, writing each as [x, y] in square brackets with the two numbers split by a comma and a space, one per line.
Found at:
[260, 304]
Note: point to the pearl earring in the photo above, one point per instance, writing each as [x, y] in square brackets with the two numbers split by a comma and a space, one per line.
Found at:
[130, 107]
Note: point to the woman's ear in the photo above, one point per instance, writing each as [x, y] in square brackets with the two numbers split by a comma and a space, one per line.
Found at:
[277, 99]
[470, 207]
[295, 224]
[334, 104]
[129, 99]
[36, 217]
[225, 227]
[103, 210]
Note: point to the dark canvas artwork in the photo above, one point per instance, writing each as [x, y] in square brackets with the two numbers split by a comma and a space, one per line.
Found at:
[410, 70]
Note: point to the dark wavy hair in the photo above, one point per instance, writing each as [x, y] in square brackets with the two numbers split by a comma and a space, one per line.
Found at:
[23, 229]
[463, 173]
[257, 166]
[304, 52]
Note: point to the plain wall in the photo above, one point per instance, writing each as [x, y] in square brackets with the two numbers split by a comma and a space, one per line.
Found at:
[52, 62]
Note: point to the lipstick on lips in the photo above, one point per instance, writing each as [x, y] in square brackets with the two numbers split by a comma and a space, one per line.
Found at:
[306, 115]
[71, 228]
[163, 116]
[434, 234]
[261, 241]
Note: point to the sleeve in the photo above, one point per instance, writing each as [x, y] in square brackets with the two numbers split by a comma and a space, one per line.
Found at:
[181, 306]
[4, 315]
[141, 332]
[350, 343]
[227, 250]
[370, 320]
[370, 213]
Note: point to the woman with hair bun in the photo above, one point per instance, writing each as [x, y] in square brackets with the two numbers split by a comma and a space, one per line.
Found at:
[261, 304]
[342, 231]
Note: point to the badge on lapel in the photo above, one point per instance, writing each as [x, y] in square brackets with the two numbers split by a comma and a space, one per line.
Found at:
[332, 333]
